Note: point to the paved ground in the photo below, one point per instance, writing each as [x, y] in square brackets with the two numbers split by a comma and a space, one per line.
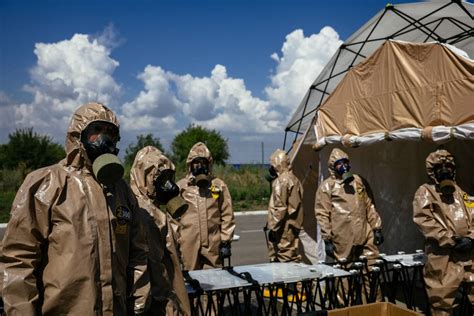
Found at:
[251, 247]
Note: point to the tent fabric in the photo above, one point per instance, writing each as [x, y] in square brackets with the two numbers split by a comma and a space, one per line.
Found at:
[403, 91]
[444, 21]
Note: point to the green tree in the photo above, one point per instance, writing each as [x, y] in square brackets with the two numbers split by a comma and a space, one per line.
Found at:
[142, 141]
[183, 142]
[29, 150]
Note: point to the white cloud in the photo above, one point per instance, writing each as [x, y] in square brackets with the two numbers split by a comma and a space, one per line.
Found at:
[171, 101]
[156, 106]
[67, 74]
[222, 102]
[158, 98]
[218, 102]
[108, 37]
[302, 60]
[79, 69]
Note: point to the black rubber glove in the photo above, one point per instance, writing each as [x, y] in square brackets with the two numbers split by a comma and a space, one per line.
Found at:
[272, 236]
[463, 244]
[225, 250]
[378, 237]
[329, 248]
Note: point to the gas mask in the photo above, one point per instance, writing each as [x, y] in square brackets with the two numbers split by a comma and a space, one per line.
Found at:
[201, 173]
[103, 144]
[271, 174]
[101, 149]
[167, 193]
[444, 175]
[342, 168]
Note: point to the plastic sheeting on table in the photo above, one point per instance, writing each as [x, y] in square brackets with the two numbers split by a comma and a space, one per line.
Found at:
[408, 260]
[288, 272]
[217, 279]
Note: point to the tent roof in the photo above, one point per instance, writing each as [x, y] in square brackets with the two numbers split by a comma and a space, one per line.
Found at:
[444, 21]
[402, 87]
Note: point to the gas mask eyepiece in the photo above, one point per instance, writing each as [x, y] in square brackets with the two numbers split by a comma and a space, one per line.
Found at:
[99, 140]
[342, 168]
[444, 175]
[201, 172]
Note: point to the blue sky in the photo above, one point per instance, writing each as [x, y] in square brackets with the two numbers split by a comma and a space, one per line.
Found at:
[240, 67]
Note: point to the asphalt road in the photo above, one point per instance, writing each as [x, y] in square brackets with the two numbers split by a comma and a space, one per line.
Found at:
[250, 249]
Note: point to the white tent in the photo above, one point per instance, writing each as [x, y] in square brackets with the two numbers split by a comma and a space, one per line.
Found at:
[360, 116]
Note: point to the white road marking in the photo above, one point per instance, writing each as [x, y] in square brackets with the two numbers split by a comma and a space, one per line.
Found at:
[251, 231]
[245, 213]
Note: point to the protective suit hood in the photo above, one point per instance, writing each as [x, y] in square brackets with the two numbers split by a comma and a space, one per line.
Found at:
[280, 161]
[336, 154]
[199, 150]
[435, 158]
[148, 165]
[91, 112]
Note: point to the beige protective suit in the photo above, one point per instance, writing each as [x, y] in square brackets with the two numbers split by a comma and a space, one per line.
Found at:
[209, 219]
[440, 219]
[71, 244]
[285, 211]
[346, 213]
[167, 282]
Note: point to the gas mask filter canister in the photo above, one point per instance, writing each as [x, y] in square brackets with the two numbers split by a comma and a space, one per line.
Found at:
[107, 169]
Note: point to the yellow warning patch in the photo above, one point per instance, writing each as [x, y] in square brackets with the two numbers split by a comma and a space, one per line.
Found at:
[215, 192]
[468, 200]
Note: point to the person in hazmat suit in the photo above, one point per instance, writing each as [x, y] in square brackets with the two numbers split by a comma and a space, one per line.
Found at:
[207, 227]
[442, 213]
[74, 244]
[152, 181]
[345, 211]
[285, 210]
